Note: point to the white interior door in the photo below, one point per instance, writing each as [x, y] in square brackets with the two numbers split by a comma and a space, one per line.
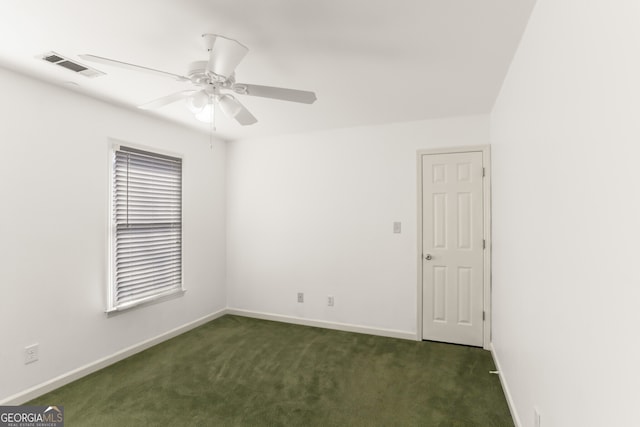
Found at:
[452, 242]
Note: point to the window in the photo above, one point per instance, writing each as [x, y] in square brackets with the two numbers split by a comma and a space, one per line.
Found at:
[146, 209]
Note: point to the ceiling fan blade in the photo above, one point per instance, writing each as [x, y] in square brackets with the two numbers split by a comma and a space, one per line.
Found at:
[283, 94]
[224, 54]
[233, 108]
[245, 118]
[128, 66]
[229, 105]
[165, 100]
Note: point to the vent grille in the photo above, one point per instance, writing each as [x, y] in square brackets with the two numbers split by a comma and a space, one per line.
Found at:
[72, 66]
[53, 58]
[76, 67]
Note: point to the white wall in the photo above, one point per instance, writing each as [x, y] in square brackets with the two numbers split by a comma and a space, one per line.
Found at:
[54, 182]
[566, 212]
[313, 213]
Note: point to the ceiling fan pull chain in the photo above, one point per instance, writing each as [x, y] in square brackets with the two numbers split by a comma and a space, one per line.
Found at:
[213, 125]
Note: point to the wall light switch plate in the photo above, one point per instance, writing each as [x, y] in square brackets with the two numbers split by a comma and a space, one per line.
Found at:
[31, 354]
[397, 227]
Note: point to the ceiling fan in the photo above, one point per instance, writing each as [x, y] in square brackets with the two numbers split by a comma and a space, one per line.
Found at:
[213, 80]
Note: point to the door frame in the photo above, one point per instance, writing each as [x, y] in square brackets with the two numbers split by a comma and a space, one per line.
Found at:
[486, 203]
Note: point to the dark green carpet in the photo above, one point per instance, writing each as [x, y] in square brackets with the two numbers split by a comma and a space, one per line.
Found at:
[238, 371]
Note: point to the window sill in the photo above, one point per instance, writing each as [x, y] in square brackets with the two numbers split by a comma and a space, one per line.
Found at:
[145, 302]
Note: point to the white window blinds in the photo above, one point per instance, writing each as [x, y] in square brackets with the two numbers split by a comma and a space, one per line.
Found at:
[147, 227]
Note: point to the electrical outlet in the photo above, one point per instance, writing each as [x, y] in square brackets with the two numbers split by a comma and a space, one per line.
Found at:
[330, 301]
[300, 297]
[31, 354]
[536, 417]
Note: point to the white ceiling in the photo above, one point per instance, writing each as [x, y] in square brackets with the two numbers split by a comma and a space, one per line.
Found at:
[369, 61]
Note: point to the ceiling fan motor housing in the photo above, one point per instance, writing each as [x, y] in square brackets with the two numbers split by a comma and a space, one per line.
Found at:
[197, 70]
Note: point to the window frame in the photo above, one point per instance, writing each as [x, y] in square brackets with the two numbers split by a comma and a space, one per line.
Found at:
[111, 306]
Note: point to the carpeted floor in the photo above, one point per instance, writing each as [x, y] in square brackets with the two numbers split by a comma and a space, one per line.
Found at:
[237, 371]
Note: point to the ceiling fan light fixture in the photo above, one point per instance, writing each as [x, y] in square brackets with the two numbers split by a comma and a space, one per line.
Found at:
[197, 102]
[206, 115]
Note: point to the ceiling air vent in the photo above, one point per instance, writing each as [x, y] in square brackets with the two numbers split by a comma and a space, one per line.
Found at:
[76, 67]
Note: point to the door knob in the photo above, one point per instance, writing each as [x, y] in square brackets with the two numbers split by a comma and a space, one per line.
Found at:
[428, 257]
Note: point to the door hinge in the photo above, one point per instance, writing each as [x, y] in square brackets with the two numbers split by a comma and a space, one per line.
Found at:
[484, 244]
[483, 172]
[483, 316]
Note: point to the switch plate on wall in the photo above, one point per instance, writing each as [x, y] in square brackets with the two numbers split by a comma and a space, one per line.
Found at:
[397, 227]
[31, 353]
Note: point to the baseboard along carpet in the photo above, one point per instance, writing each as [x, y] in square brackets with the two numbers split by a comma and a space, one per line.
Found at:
[238, 371]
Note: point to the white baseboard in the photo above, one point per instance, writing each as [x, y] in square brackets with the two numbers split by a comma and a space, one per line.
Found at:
[39, 390]
[505, 388]
[392, 333]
